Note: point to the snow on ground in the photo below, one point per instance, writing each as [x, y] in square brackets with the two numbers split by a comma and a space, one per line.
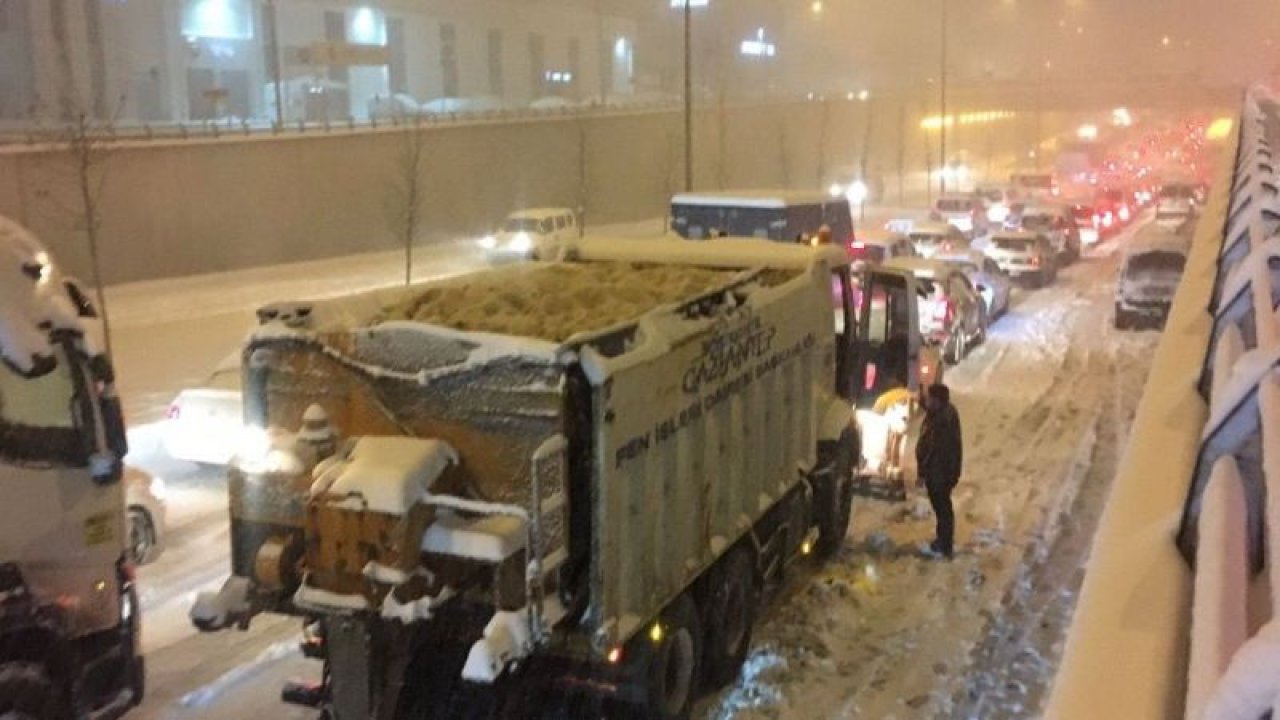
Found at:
[883, 632]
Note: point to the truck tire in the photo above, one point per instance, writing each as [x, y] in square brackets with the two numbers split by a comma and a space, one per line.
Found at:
[833, 494]
[673, 663]
[27, 693]
[730, 614]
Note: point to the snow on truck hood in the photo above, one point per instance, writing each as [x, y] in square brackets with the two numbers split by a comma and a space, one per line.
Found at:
[32, 299]
[384, 474]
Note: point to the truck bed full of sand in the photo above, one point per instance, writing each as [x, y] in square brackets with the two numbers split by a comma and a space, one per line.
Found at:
[555, 301]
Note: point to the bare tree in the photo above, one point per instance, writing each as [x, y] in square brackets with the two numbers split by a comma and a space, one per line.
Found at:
[672, 178]
[80, 149]
[784, 153]
[584, 169]
[722, 137]
[824, 126]
[408, 191]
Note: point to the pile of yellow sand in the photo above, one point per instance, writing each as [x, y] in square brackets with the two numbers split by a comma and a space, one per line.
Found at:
[555, 301]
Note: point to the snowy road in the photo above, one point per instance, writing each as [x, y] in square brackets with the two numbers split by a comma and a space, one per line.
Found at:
[881, 633]
[884, 633]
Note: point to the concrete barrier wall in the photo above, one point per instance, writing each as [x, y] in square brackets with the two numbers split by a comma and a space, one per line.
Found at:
[178, 208]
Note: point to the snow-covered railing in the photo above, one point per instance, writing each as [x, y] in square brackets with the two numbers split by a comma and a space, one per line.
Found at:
[1168, 629]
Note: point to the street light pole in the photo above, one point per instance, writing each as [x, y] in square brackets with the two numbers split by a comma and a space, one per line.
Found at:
[688, 95]
[943, 102]
[274, 51]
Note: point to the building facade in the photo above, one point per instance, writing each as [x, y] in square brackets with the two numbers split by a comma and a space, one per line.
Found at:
[168, 61]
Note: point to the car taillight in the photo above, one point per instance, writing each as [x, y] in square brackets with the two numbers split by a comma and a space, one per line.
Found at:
[1035, 261]
[943, 311]
[869, 377]
[174, 412]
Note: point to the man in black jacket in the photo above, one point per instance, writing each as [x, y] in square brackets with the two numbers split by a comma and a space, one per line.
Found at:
[939, 460]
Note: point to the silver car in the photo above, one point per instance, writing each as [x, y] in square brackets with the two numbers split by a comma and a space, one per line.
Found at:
[1024, 255]
[1148, 280]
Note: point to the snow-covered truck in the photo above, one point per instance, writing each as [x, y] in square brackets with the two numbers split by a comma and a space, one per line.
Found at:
[494, 495]
[68, 610]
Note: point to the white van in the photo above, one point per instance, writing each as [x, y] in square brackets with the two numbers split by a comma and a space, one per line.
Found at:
[527, 232]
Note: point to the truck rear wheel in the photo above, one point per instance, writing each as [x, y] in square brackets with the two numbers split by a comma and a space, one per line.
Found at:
[673, 662]
[730, 614]
[27, 693]
[833, 494]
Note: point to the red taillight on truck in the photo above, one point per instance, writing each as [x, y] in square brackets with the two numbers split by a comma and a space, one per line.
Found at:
[869, 377]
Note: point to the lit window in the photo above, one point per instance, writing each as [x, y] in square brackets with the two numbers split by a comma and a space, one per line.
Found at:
[218, 19]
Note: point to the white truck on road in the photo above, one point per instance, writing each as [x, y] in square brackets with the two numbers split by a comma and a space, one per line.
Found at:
[555, 488]
[68, 610]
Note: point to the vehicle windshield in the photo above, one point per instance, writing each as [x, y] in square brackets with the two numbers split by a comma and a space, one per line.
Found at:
[1157, 261]
[37, 420]
[532, 225]
[926, 238]
[1082, 212]
[1013, 244]
[954, 205]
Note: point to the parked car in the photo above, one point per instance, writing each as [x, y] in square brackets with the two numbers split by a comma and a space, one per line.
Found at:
[527, 233]
[952, 312]
[1149, 277]
[1024, 255]
[1057, 224]
[985, 275]
[930, 238]
[205, 424]
[963, 210]
[145, 505]
[874, 247]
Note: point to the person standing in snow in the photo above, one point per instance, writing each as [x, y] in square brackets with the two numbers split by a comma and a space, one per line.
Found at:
[939, 461]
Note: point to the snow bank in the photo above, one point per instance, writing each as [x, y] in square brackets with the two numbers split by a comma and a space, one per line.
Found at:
[555, 301]
[387, 474]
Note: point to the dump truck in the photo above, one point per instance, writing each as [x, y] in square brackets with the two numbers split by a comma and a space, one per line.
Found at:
[554, 487]
[68, 607]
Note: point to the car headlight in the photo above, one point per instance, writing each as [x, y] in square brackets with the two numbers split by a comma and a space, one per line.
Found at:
[488, 242]
[521, 243]
[159, 489]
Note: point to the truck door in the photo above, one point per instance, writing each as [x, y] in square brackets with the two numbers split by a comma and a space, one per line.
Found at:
[888, 345]
[844, 307]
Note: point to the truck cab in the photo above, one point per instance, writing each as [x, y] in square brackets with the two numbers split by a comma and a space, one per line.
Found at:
[68, 625]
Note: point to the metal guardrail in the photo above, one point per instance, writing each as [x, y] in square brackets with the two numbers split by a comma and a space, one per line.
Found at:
[1178, 616]
[1230, 527]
